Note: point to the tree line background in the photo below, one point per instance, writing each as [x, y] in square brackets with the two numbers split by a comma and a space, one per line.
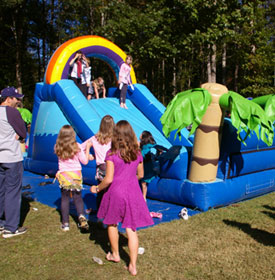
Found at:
[176, 44]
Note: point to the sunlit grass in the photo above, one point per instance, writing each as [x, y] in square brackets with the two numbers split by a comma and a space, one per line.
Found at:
[228, 243]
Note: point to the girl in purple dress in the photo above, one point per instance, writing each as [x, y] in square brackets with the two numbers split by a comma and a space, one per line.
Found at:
[123, 201]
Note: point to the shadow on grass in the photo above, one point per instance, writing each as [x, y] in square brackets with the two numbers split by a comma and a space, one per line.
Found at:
[269, 207]
[100, 236]
[270, 214]
[261, 236]
[25, 208]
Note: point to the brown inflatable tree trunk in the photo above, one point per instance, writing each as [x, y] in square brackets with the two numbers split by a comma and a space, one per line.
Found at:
[206, 150]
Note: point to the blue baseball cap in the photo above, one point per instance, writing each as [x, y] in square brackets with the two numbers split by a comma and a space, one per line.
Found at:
[11, 92]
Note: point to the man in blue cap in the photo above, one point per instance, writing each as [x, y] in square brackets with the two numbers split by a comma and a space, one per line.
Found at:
[12, 131]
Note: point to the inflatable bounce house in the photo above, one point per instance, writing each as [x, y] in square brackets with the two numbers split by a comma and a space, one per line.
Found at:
[225, 161]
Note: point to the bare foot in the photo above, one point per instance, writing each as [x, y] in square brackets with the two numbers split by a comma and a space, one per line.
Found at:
[132, 270]
[111, 258]
[125, 106]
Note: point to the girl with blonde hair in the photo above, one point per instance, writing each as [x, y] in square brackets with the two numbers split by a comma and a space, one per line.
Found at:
[101, 142]
[70, 156]
[99, 87]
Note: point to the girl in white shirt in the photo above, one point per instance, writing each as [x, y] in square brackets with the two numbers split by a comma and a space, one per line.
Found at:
[80, 73]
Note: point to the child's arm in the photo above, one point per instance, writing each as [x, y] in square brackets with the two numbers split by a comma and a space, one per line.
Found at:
[95, 90]
[91, 157]
[83, 156]
[140, 171]
[74, 59]
[85, 60]
[84, 145]
[104, 92]
[121, 74]
[129, 80]
[108, 179]
[87, 152]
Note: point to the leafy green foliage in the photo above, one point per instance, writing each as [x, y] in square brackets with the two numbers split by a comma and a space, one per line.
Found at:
[169, 40]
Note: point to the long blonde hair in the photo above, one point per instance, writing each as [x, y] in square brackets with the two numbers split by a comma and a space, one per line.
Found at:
[105, 133]
[66, 146]
[125, 141]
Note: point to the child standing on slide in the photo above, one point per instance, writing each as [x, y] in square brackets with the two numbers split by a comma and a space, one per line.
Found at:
[101, 142]
[70, 155]
[123, 201]
[79, 72]
[125, 80]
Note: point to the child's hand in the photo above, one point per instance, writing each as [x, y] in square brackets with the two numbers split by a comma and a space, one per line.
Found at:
[91, 157]
[89, 144]
[94, 189]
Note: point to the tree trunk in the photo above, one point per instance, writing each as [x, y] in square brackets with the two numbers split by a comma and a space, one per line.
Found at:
[236, 75]
[39, 60]
[163, 82]
[52, 23]
[17, 37]
[206, 149]
[209, 77]
[213, 64]
[102, 21]
[174, 82]
[91, 26]
[224, 64]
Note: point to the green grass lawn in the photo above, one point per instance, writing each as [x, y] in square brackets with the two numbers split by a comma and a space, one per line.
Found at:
[236, 242]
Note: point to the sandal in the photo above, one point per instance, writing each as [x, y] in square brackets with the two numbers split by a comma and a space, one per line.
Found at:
[156, 215]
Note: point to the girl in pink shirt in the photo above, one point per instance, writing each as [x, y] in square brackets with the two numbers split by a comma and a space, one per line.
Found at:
[70, 156]
[124, 80]
[101, 143]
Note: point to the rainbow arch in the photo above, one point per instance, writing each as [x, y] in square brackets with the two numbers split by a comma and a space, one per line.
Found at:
[92, 46]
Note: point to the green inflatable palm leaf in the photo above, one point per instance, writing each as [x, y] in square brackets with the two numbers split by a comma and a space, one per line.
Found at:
[247, 116]
[270, 108]
[185, 108]
[25, 114]
[267, 102]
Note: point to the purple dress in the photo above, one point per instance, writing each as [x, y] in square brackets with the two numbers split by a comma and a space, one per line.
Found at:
[123, 201]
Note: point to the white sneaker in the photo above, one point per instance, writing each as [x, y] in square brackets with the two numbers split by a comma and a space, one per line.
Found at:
[8, 233]
[183, 214]
[2, 229]
[65, 227]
